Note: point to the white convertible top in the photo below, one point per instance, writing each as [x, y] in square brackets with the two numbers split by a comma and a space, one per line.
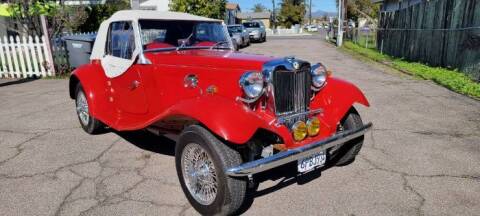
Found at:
[156, 15]
[113, 66]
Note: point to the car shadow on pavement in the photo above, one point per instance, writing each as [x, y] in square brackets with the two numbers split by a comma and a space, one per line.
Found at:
[288, 175]
[4, 83]
[149, 142]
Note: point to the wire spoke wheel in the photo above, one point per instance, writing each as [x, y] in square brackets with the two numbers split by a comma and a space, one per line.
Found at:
[82, 108]
[199, 174]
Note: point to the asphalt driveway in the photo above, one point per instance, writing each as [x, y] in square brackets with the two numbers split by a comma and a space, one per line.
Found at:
[423, 156]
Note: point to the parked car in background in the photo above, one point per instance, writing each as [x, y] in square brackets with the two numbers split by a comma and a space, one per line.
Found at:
[236, 114]
[256, 31]
[312, 28]
[239, 35]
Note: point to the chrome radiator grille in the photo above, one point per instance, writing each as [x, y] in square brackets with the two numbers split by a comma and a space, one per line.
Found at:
[291, 90]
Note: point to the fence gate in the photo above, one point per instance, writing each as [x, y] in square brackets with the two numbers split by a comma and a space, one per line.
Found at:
[24, 57]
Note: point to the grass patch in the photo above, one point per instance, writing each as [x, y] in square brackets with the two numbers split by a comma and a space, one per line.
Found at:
[451, 79]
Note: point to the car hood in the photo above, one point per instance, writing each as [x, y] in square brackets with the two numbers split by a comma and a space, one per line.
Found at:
[210, 58]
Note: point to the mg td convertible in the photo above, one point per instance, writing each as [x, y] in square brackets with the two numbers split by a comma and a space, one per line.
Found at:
[236, 114]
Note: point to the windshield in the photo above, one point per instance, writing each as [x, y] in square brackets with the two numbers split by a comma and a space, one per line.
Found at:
[235, 29]
[175, 34]
[251, 25]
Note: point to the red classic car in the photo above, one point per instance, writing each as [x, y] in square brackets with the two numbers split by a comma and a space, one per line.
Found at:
[237, 114]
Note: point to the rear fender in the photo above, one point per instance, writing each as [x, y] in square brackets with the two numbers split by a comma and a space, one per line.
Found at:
[336, 98]
[93, 82]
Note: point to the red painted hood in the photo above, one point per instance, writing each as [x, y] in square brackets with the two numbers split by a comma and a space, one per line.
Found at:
[210, 58]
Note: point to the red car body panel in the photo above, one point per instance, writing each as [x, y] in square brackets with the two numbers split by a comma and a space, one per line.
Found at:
[147, 94]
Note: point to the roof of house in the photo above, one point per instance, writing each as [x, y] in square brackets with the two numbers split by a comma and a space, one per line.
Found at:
[232, 6]
[254, 15]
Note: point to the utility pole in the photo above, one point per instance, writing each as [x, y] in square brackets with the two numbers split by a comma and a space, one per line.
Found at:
[340, 23]
[310, 13]
[274, 18]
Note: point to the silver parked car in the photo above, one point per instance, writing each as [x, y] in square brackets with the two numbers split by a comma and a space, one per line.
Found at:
[239, 35]
[257, 31]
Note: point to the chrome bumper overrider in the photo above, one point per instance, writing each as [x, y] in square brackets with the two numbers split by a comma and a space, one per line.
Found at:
[290, 155]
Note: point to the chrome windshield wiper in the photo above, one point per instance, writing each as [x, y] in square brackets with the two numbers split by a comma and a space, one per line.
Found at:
[160, 49]
[184, 44]
[216, 45]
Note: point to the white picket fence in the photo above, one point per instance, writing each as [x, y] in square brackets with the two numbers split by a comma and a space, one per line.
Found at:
[284, 31]
[24, 57]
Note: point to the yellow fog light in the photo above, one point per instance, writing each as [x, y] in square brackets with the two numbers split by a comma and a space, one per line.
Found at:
[313, 126]
[299, 130]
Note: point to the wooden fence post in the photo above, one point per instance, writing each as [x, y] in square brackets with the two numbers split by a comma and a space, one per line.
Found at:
[14, 56]
[4, 72]
[26, 51]
[46, 42]
[41, 61]
[8, 56]
[366, 40]
[31, 44]
[21, 57]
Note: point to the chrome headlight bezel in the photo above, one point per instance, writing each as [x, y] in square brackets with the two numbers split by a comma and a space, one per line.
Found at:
[252, 84]
[319, 76]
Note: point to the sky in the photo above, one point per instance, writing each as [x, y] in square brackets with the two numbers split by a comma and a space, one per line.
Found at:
[324, 5]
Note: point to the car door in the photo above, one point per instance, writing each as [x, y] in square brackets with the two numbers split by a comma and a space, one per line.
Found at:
[126, 86]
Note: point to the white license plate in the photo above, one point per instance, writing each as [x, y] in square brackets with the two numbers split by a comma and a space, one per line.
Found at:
[311, 162]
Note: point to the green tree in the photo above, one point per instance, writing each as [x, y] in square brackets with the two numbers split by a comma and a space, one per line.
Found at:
[258, 8]
[362, 8]
[100, 12]
[291, 12]
[60, 17]
[208, 8]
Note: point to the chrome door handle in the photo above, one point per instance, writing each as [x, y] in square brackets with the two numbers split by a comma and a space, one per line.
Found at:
[134, 85]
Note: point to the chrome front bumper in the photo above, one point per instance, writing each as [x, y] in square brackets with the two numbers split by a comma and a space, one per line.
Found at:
[295, 154]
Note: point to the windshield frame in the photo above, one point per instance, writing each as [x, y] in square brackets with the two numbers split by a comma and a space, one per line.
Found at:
[228, 41]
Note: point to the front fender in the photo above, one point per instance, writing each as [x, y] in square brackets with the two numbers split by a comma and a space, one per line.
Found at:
[336, 98]
[231, 120]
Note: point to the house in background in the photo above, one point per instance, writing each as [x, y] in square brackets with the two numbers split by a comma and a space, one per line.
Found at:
[232, 10]
[264, 17]
[83, 2]
[158, 5]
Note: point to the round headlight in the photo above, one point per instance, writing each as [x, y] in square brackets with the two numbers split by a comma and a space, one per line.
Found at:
[313, 126]
[252, 84]
[319, 75]
[299, 131]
